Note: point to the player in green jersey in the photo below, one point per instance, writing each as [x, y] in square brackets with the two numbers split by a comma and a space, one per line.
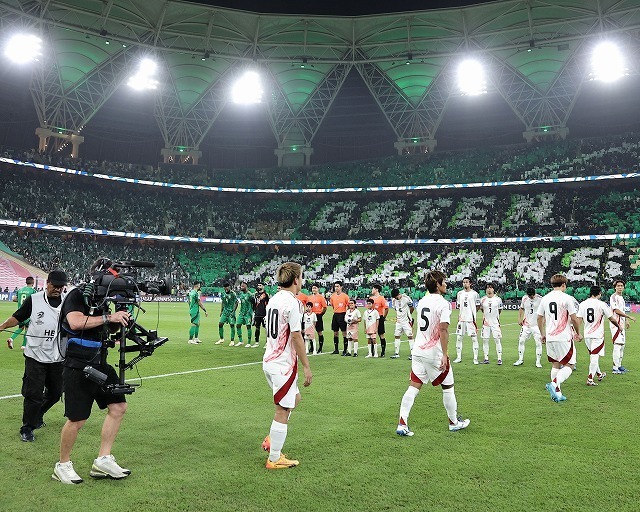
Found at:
[228, 315]
[195, 304]
[245, 316]
[22, 295]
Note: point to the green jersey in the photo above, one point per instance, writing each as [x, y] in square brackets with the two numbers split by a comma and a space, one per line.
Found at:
[193, 299]
[23, 293]
[246, 303]
[229, 302]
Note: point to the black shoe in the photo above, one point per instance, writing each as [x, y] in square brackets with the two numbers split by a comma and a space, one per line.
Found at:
[335, 352]
[27, 436]
[345, 353]
[382, 355]
[355, 354]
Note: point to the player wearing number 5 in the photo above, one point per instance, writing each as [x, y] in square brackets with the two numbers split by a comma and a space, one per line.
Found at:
[285, 347]
[556, 315]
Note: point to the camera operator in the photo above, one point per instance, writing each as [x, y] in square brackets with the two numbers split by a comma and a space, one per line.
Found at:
[87, 329]
[42, 359]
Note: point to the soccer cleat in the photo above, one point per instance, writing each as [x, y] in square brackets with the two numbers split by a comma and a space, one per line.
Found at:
[590, 382]
[314, 353]
[410, 358]
[616, 371]
[403, 430]
[459, 425]
[64, 472]
[499, 362]
[197, 340]
[395, 356]
[219, 342]
[538, 364]
[107, 467]
[27, 436]
[484, 361]
[335, 352]
[248, 345]
[552, 391]
[281, 463]
[622, 369]
[192, 342]
[355, 354]
[475, 361]
[601, 376]
[266, 444]
[232, 343]
[367, 356]
[375, 356]
[255, 345]
[519, 362]
[457, 360]
[561, 398]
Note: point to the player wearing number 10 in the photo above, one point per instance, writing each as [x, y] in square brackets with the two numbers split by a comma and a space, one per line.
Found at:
[285, 346]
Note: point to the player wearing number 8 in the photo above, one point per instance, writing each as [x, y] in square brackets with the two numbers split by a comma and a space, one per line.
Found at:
[429, 361]
[285, 347]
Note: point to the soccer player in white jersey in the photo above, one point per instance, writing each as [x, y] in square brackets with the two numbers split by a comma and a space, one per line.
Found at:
[309, 320]
[352, 317]
[371, 319]
[556, 316]
[467, 300]
[528, 320]
[618, 333]
[404, 322]
[491, 306]
[593, 312]
[430, 362]
[285, 347]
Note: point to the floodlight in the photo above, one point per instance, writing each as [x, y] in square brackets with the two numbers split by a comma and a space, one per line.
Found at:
[607, 62]
[144, 78]
[23, 48]
[471, 78]
[247, 89]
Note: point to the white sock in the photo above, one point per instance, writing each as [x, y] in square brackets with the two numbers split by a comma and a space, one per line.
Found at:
[520, 349]
[554, 372]
[617, 359]
[485, 347]
[499, 348]
[411, 342]
[355, 347]
[593, 365]
[375, 349]
[350, 346]
[538, 350]
[475, 348]
[459, 347]
[278, 435]
[406, 404]
[563, 374]
[450, 405]
[397, 345]
[621, 354]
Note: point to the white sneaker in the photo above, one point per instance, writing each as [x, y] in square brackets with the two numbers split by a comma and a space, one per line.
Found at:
[375, 355]
[248, 345]
[403, 430]
[475, 361]
[193, 342]
[519, 362]
[538, 365]
[255, 345]
[197, 340]
[460, 425]
[107, 467]
[315, 353]
[232, 343]
[64, 472]
[219, 342]
[457, 360]
[239, 344]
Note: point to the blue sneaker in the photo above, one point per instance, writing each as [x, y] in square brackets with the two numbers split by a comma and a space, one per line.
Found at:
[403, 430]
[561, 398]
[552, 391]
[622, 369]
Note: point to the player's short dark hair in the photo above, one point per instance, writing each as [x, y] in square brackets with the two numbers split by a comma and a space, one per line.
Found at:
[29, 280]
[244, 282]
[377, 286]
[369, 300]
[337, 282]
[395, 292]
[309, 304]
[594, 291]
[616, 281]
[468, 278]
[531, 291]
[433, 279]
[226, 285]
[195, 283]
[317, 285]
[489, 285]
[557, 280]
[259, 283]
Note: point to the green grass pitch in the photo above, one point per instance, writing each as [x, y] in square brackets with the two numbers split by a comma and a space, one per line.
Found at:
[193, 440]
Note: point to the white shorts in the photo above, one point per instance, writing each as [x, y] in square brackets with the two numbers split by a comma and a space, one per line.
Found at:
[617, 336]
[595, 346]
[284, 387]
[403, 328]
[489, 330]
[468, 328]
[527, 331]
[563, 352]
[425, 369]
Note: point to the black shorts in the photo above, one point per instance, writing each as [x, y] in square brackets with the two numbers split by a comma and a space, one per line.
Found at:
[338, 323]
[381, 325]
[258, 321]
[80, 393]
[319, 323]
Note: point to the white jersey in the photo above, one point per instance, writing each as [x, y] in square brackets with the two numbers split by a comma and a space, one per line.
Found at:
[557, 307]
[309, 320]
[491, 311]
[352, 317]
[530, 307]
[284, 315]
[43, 344]
[371, 316]
[593, 313]
[467, 304]
[433, 310]
[617, 302]
[403, 309]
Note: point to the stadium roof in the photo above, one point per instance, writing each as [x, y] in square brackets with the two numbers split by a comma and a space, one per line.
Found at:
[535, 52]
